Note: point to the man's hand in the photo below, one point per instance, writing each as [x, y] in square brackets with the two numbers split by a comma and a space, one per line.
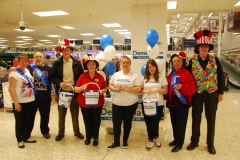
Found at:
[220, 98]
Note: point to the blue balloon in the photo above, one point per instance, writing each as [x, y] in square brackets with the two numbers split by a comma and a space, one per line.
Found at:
[110, 68]
[143, 69]
[152, 37]
[105, 40]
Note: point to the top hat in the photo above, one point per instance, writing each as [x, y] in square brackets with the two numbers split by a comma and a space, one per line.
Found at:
[203, 38]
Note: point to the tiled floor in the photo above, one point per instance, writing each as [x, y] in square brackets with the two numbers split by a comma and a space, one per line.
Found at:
[227, 139]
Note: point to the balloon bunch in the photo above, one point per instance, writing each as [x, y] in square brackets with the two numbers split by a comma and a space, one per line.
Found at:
[153, 50]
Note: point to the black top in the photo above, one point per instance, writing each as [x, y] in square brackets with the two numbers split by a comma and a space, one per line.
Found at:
[44, 92]
[220, 74]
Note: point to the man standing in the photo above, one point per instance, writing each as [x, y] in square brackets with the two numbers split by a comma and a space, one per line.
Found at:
[42, 102]
[66, 71]
[208, 75]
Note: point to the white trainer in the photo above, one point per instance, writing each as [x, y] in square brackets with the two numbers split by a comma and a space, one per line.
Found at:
[157, 141]
[150, 145]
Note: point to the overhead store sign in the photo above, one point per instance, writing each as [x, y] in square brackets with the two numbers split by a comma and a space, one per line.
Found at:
[96, 41]
[189, 43]
[127, 41]
[77, 42]
[50, 53]
[92, 52]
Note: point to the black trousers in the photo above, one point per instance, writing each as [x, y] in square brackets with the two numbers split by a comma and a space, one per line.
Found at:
[210, 101]
[44, 110]
[22, 119]
[179, 116]
[125, 114]
[152, 123]
[92, 121]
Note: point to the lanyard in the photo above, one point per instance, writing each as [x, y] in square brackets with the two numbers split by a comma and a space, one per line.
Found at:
[41, 75]
[179, 95]
[28, 79]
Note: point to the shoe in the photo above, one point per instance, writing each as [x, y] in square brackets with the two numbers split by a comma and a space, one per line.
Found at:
[113, 146]
[176, 149]
[95, 142]
[172, 143]
[192, 146]
[211, 150]
[150, 145]
[21, 145]
[47, 135]
[30, 141]
[59, 137]
[87, 141]
[125, 145]
[157, 142]
[80, 136]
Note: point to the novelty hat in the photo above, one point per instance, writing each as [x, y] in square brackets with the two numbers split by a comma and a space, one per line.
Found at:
[203, 38]
[87, 58]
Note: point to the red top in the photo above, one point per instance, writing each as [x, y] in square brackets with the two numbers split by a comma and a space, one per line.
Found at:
[84, 79]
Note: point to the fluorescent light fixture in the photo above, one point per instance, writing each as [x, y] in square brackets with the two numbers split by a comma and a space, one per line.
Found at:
[66, 27]
[48, 42]
[19, 44]
[117, 43]
[128, 37]
[123, 30]
[178, 15]
[2, 45]
[210, 15]
[44, 40]
[168, 25]
[175, 30]
[167, 29]
[171, 4]
[53, 45]
[235, 33]
[237, 4]
[86, 42]
[176, 26]
[72, 39]
[23, 37]
[225, 17]
[50, 13]
[54, 35]
[97, 38]
[3, 40]
[87, 34]
[26, 43]
[20, 41]
[35, 46]
[204, 21]
[201, 17]
[187, 24]
[184, 31]
[112, 25]
[27, 39]
[190, 18]
[26, 30]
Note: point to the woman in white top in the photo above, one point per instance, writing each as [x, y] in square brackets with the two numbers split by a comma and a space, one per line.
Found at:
[154, 86]
[22, 93]
[126, 84]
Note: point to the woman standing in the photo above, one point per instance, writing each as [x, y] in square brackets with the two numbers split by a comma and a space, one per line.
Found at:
[126, 84]
[22, 90]
[179, 99]
[154, 85]
[91, 80]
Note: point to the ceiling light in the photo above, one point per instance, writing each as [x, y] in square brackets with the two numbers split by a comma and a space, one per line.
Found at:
[167, 29]
[26, 43]
[87, 34]
[48, 42]
[210, 15]
[171, 4]
[187, 24]
[19, 44]
[225, 17]
[128, 37]
[72, 39]
[190, 18]
[237, 4]
[50, 13]
[235, 33]
[176, 26]
[86, 42]
[20, 41]
[97, 38]
[117, 43]
[168, 25]
[27, 39]
[2, 45]
[44, 40]
[201, 17]
[123, 30]
[66, 27]
[112, 25]
[23, 37]
[3, 40]
[54, 35]
[204, 21]
[178, 15]
[26, 30]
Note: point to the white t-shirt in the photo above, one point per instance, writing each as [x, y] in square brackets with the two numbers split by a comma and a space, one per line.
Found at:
[151, 84]
[23, 92]
[130, 80]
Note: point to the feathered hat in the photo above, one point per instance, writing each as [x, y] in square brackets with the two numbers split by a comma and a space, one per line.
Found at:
[203, 38]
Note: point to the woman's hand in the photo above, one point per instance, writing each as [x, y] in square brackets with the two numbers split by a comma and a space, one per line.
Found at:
[178, 86]
[18, 107]
[147, 91]
[84, 87]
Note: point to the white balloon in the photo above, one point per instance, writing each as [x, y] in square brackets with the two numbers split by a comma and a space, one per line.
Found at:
[109, 53]
[161, 64]
[153, 52]
[103, 74]
[101, 60]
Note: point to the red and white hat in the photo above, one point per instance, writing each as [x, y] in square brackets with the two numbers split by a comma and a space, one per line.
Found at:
[87, 58]
[180, 54]
[203, 38]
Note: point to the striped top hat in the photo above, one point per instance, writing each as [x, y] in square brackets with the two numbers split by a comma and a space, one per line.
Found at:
[203, 38]
[87, 58]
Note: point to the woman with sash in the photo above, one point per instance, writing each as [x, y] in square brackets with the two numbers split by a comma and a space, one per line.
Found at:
[154, 86]
[22, 92]
[180, 90]
[91, 88]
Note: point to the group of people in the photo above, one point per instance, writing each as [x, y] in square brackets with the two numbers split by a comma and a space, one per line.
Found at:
[200, 82]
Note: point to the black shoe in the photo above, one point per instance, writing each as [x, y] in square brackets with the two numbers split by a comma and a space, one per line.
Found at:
[211, 150]
[59, 137]
[172, 143]
[80, 136]
[87, 141]
[95, 142]
[176, 149]
[21, 146]
[192, 146]
[47, 135]
[125, 145]
[113, 146]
